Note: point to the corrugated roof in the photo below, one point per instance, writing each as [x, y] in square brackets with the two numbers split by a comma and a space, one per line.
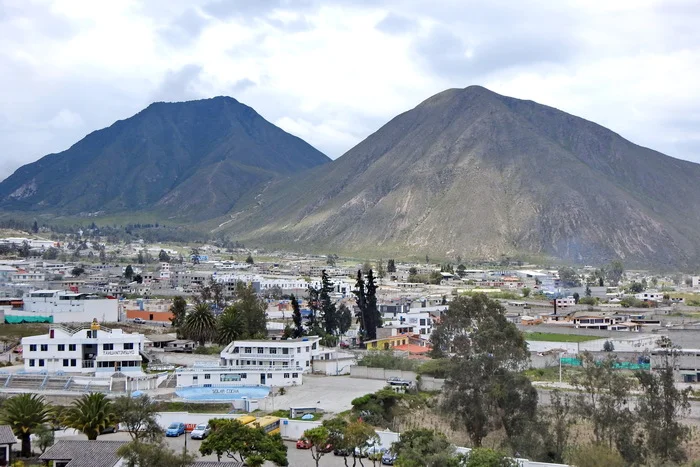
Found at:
[216, 464]
[84, 453]
[6, 435]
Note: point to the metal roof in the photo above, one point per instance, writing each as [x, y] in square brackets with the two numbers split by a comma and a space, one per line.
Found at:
[6, 435]
[84, 453]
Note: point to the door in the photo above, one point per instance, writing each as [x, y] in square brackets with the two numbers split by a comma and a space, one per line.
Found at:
[262, 378]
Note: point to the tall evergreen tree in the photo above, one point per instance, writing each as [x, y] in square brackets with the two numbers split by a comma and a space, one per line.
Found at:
[361, 300]
[328, 310]
[313, 305]
[373, 319]
[296, 317]
[390, 266]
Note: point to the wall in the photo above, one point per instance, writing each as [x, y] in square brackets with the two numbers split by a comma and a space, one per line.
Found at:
[334, 367]
[381, 373]
[158, 316]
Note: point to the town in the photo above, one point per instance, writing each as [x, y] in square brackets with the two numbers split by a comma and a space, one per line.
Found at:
[297, 340]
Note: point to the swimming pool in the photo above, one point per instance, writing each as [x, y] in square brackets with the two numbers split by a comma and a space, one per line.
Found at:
[223, 393]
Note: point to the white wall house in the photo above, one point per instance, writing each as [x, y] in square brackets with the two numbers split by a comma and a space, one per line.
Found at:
[69, 307]
[565, 302]
[253, 362]
[650, 296]
[94, 349]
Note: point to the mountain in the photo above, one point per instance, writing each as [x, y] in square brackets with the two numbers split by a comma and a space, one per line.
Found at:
[472, 173]
[191, 160]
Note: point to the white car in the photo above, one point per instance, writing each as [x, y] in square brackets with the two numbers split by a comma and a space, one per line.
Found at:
[370, 449]
[200, 431]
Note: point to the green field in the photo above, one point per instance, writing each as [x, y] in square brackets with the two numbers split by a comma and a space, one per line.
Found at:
[553, 337]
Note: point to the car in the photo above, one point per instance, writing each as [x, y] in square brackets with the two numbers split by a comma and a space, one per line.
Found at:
[200, 431]
[109, 429]
[139, 321]
[303, 443]
[388, 458]
[369, 450]
[345, 452]
[325, 449]
[175, 429]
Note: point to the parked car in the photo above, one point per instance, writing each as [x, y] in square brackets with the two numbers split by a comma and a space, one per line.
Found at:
[369, 449]
[139, 321]
[110, 429]
[303, 443]
[200, 431]
[345, 452]
[327, 448]
[175, 429]
[388, 458]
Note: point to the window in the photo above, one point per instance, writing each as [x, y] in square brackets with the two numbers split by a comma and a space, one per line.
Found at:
[129, 346]
[31, 362]
[195, 378]
[71, 347]
[307, 348]
[61, 347]
[260, 350]
[286, 375]
[41, 362]
[269, 376]
[313, 346]
[285, 363]
[248, 350]
[32, 347]
[235, 350]
[207, 385]
[422, 322]
[73, 362]
[307, 363]
[295, 375]
[107, 346]
[285, 351]
[244, 376]
[273, 350]
[65, 362]
[298, 349]
[44, 347]
[207, 376]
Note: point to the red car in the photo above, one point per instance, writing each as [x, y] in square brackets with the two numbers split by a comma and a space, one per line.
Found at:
[303, 443]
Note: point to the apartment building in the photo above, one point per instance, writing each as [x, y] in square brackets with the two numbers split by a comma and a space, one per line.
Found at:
[94, 349]
[256, 362]
[60, 306]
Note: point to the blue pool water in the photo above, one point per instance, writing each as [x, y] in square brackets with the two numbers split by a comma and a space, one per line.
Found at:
[223, 393]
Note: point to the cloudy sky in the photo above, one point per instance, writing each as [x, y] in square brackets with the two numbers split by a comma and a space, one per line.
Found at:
[333, 71]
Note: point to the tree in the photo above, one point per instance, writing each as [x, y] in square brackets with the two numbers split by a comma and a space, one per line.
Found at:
[381, 273]
[200, 324]
[526, 292]
[588, 291]
[603, 400]
[249, 259]
[608, 346]
[243, 443]
[366, 266]
[24, 249]
[194, 255]
[296, 318]
[391, 266]
[357, 435]
[660, 408]
[636, 287]
[435, 278]
[77, 271]
[35, 227]
[91, 414]
[246, 318]
[139, 416]
[485, 457]
[331, 260]
[374, 318]
[153, 454]
[314, 305]
[319, 438]
[336, 433]
[576, 297]
[329, 313]
[344, 319]
[129, 272]
[45, 437]
[138, 278]
[179, 311]
[559, 421]
[163, 257]
[24, 413]
[50, 253]
[569, 278]
[483, 389]
[422, 447]
[614, 273]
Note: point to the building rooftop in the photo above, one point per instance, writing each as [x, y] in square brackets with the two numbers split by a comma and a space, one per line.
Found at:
[6, 435]
[84, 453]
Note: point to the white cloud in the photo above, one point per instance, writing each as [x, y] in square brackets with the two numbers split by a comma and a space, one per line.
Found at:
[333, 72]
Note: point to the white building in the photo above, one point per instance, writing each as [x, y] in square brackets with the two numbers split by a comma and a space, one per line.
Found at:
[91, 350]
[650, 296]
[69, 307]
[254, 362]
[565, 302]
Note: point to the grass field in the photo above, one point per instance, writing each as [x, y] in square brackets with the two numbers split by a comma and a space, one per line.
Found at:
[553, 337]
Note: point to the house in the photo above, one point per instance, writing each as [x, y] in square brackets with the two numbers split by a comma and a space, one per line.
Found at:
[59, 306]
[253, 362]
[7, 439]
[387, 343]
[564, 302]
[650, 296]
[70, 453]
[95, 349]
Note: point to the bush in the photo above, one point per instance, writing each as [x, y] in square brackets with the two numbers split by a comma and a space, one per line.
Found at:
[437, 368]
[388, 361]
[208, 350]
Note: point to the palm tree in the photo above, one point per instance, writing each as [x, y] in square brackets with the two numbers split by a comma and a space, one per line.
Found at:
[24, 413]
[91, 414]
[231, 325]
[200, 324]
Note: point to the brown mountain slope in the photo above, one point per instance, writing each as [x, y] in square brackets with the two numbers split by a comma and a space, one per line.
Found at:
[469, 172]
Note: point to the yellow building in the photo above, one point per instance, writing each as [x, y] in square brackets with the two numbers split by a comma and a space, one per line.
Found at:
[386, 343]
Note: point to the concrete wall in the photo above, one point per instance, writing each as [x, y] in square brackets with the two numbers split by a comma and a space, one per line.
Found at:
[334, 367]
[429, 383]
[380, 373]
